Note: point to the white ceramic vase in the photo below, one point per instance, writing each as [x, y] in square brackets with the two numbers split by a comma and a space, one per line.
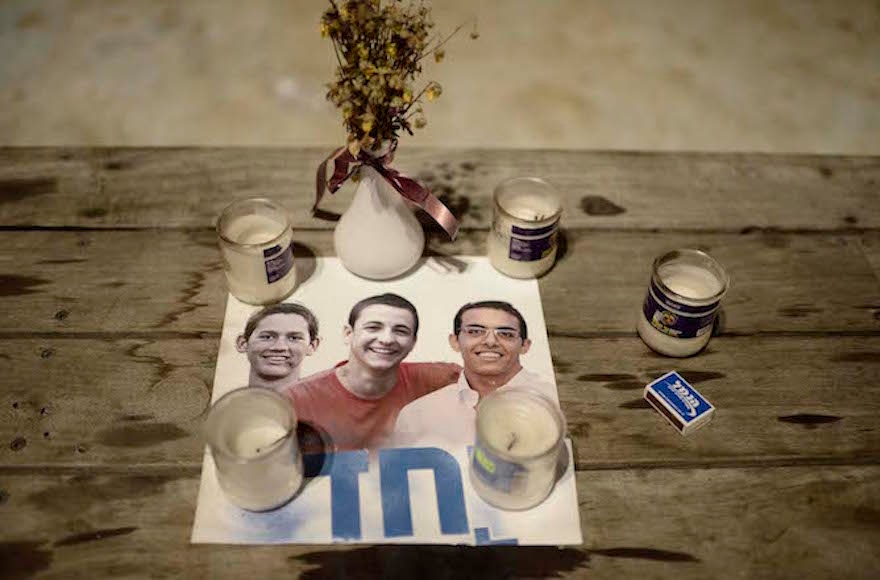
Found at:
[378, 237]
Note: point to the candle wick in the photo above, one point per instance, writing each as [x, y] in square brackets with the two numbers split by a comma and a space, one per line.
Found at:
[513, 439]
[286, 433]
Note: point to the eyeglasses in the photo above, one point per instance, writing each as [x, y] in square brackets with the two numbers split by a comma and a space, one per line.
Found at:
[504, 333]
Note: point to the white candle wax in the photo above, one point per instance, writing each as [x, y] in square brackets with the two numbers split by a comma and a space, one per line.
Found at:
[696, 282]
[519, 434]
[523, 239]
[251, 434]
[255, 240]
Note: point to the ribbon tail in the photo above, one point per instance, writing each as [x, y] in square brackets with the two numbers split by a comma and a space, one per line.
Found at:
[321, 177]
[441, 214]
[422, 197]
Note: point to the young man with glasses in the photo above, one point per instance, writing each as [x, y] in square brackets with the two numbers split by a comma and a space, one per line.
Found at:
[490, 336]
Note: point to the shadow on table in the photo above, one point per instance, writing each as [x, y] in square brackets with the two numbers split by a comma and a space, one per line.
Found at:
[423, 562]
[304, 258]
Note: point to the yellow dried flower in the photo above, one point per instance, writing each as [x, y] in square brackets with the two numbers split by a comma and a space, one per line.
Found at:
[433, 91]
[380, 47]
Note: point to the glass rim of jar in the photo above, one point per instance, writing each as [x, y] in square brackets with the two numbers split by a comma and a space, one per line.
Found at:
[535, 395]
[547, 188]
[224, 217]
[227, 399]
[707, 261]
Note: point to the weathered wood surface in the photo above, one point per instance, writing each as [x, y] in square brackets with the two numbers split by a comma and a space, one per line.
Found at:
[786, 522]
[694, 191]
[112, 302]
[156, 280]
[120, 401]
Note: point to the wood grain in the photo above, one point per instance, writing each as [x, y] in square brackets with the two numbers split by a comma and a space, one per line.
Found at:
[780, 400]
[689, 523]
[136, 187]
[172, 281]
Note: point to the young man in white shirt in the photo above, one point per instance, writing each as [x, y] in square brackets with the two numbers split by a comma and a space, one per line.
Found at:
[491, 336]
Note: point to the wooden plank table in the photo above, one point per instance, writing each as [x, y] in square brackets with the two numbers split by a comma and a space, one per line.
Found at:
[113, 299]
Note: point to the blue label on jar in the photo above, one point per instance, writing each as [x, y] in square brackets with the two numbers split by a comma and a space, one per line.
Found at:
[495, 472]
[532, 244]
[676, 319]
[278, 262]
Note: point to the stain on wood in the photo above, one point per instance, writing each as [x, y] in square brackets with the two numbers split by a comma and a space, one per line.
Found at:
[598, 205]
[454, 561]
[46, 353]
[24, 559]
[636, 404]
[645, 554]
[826, 172]
[80, 448]
[18, 189]
[61, 262]
[92, 212]
[631, 385]
[798, 311]
[12, 285]
[18, 443]
[61, 315]
[850, 220]
[116, 165]
[94, 536]
[857, 357]
[4, 496]
[145, 435]
[602, 378]
[76, 495]
[809, 420]
[579, 430]
[194, 287]
[129, 418]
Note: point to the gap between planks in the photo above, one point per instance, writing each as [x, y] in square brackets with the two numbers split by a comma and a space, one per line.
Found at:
[196, 468]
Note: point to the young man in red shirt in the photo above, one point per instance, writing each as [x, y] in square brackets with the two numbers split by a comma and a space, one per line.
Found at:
[356, 403]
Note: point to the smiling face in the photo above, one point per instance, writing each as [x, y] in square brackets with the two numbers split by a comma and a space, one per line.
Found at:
[278, 346]
[382, 336]
[496, 353]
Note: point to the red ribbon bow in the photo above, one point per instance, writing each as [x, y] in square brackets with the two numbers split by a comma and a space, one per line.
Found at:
[345, 164]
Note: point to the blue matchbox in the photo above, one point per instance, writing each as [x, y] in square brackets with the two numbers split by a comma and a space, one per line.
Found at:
[679, 403]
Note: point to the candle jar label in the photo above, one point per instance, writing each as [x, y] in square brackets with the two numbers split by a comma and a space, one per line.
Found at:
[278, 262]
[676, 319]
[529, 244]
[496, 472]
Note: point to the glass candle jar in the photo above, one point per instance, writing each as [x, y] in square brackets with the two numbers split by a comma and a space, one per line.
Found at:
[683, 299]
[519, 438]
[251, 433]
[523, 239]
[256, 242]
